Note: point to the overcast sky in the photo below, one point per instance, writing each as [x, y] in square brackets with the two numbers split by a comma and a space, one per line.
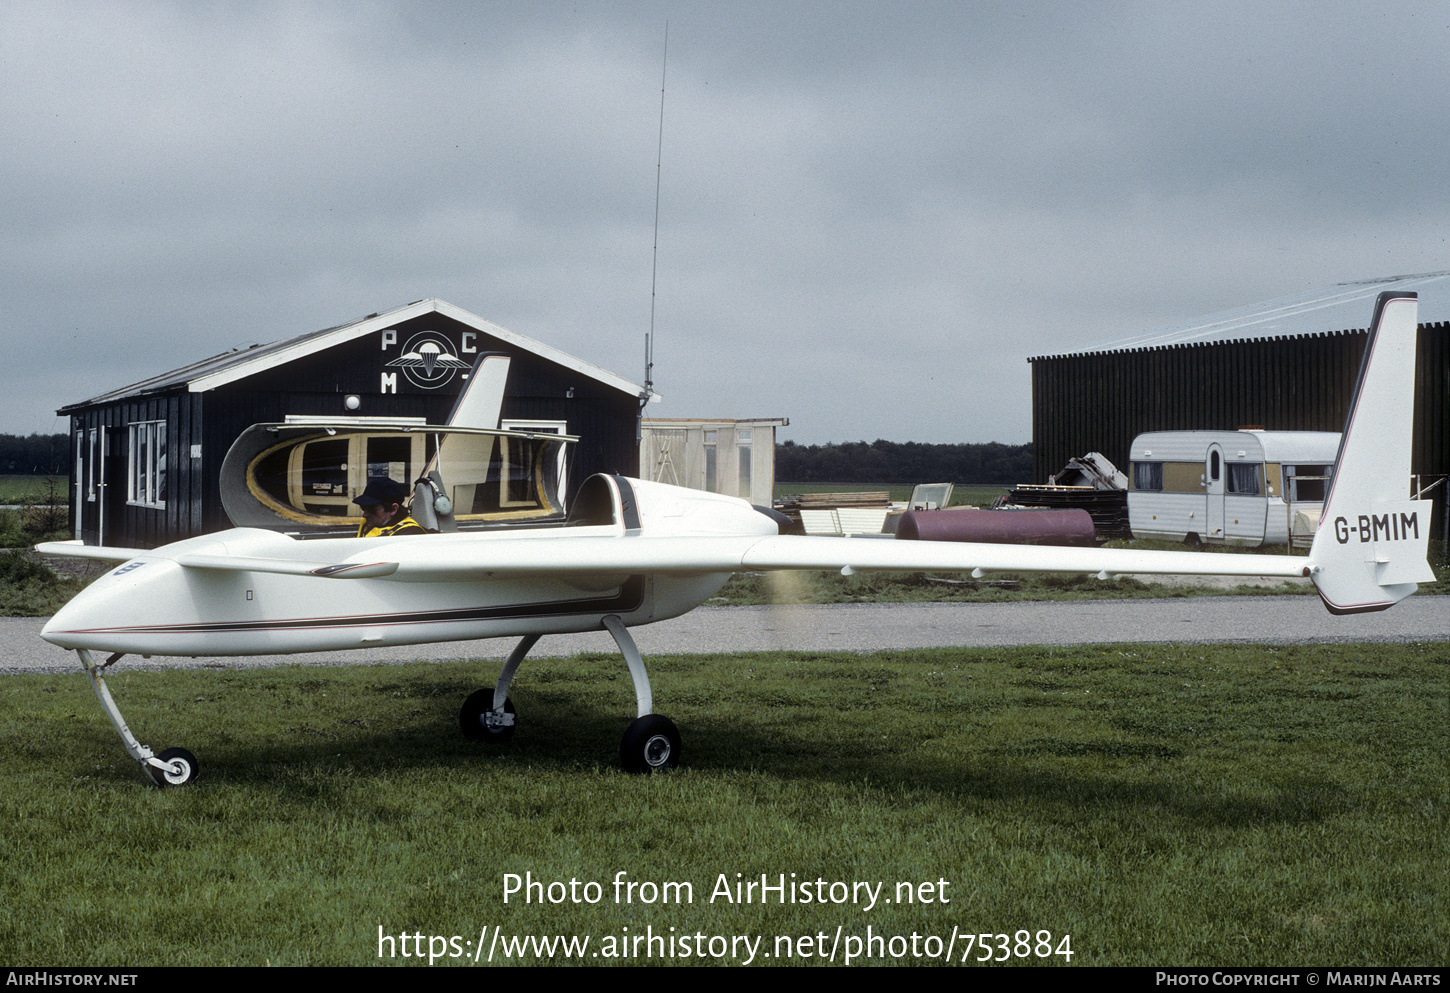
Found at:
[871, 214]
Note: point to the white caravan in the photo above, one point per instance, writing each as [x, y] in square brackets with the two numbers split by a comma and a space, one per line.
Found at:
[1230, 487]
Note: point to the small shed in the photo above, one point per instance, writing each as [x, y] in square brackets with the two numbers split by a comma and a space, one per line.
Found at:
[147, 457]
[735, 457]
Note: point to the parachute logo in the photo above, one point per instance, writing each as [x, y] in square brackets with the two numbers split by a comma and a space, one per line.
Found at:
[428, 360]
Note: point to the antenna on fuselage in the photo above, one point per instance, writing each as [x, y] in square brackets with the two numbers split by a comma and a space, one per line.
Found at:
[649, 348]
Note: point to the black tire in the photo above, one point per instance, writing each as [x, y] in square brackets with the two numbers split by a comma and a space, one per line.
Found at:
[652, 744]
[1192, 540]
[471, 718]
[184, 768]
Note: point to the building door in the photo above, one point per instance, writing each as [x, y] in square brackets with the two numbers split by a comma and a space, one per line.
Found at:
[100, 483]
[93, 485]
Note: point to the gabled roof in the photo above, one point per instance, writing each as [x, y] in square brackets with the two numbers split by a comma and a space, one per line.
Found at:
[229, 367]
[1341, 307]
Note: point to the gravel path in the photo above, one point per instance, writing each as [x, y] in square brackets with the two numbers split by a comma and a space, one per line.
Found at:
[873, 627]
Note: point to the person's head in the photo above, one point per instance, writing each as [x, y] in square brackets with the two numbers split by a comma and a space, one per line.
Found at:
[381, 500]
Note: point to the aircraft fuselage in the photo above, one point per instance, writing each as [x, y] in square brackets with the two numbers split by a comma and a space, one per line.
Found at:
[163, 603]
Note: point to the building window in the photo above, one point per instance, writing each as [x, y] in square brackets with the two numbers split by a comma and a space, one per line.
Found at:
[1147, 475]
[743, 437]
[146, 466]
[711, 467]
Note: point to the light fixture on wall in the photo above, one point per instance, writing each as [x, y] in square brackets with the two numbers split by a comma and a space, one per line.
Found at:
[352, 401]
[569, 393]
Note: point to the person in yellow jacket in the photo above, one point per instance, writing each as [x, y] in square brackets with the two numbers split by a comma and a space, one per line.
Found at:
[383, 512]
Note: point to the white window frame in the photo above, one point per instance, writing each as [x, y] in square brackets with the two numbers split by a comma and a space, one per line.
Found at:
[744, 448]
[146, 464]
[79, 475]
[712, 460]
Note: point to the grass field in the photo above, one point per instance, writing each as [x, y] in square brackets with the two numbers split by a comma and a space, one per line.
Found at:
[20, 489]
[1154, 805]
[22, 528]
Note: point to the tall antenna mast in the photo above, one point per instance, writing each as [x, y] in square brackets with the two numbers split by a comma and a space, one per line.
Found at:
[649, 350]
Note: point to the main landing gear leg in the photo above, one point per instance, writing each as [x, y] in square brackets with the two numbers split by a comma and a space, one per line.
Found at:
[173, 767]
[652, 743]
[488, 715]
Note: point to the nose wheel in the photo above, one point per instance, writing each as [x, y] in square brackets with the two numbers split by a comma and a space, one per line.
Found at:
[180, 767]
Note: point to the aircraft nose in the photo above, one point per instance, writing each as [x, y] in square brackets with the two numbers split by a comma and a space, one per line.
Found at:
[122, 597]
[60, 622]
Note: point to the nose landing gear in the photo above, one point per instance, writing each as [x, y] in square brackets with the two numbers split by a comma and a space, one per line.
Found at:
[173, 767]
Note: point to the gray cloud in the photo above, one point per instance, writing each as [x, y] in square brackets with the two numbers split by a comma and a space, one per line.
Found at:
[871, 214]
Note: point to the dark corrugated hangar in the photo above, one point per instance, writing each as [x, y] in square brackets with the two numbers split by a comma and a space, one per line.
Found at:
[1285, 365]
[146, 458]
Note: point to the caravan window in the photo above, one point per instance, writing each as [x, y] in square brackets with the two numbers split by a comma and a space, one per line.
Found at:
[1307, 489]
[1243, 478]
[1147, 475]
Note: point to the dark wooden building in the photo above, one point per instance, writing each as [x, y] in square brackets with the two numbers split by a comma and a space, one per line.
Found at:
[1100, 400]
[146, 458]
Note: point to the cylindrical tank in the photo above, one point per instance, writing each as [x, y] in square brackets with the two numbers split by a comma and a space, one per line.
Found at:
[999, 527]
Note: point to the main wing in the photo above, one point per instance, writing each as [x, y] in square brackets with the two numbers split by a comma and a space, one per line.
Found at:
[602, 558]
[851, 555]
[565, 555]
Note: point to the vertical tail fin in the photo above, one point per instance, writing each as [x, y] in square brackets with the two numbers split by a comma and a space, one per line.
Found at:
[481, 401]
[1369, 550]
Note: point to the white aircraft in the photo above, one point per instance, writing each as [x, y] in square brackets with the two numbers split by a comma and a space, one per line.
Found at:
[633, 552]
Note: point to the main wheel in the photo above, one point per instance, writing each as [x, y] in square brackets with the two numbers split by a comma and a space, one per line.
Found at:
[473, 719]
[652, 744]
[183, 768]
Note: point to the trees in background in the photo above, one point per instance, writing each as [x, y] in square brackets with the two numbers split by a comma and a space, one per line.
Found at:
[36, 454]
[903, 462]
[849, 462]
